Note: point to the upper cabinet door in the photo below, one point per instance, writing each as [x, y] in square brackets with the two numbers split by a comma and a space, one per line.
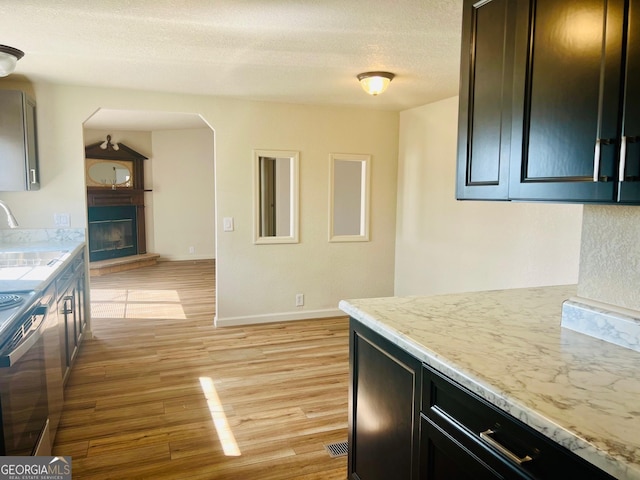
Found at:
[18, 142]
[485, 92]
[567, 89]
[629, 172]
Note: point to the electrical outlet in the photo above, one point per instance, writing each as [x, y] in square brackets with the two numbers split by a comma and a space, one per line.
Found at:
[192, 250]
[61, 219]
[299, 299]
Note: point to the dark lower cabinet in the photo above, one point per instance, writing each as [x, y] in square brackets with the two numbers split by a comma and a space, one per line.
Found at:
[462, 431]
[71, 311]
[443, 457]
[383, 409]
[407, 421]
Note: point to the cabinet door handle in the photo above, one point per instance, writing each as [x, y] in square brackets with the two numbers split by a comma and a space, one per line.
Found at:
[486, 436]
[596, 163]
[597, 155]
[69, 299]
[33, 176]
[623, 159]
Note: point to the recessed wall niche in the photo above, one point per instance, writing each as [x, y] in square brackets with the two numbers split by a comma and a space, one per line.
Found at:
[114, 174]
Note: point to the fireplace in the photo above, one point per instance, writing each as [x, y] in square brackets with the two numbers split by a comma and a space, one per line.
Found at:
[115, 201]
[116, 223]
[112, 232]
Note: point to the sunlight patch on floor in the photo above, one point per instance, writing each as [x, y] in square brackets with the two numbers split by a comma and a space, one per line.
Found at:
[107, 310]
[132, 304]
[108, 295]
[153, 296]
[227, 439]
[155, 310]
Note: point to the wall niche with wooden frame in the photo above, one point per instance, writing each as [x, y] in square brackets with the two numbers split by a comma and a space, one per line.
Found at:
[114, 175]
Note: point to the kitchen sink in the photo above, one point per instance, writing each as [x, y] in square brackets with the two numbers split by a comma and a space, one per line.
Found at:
[31, 259]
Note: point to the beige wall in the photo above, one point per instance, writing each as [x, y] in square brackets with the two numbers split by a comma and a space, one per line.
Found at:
[610, 255]
[444, 245]
[255, 282]
[183, 198]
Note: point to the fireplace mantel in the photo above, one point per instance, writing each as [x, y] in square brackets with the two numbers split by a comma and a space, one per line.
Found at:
[100, 197]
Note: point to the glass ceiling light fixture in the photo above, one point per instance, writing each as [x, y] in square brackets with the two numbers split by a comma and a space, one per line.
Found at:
[9, 56]
[374, 83]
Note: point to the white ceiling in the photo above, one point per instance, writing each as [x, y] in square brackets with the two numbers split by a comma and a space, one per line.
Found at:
[297, 51]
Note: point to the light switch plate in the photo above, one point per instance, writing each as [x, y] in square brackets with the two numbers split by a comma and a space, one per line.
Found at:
[227, 224]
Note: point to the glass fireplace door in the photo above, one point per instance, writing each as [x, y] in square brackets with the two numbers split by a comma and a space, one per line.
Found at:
[112, 232]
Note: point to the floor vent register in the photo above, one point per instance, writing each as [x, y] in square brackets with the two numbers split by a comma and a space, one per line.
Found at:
[340, 449]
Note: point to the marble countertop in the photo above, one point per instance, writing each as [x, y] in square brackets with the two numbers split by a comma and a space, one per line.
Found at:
[508, 347]
[35, 277]
[25, 278]
[30, 260]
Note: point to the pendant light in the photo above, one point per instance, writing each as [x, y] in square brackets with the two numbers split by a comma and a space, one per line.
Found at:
[9, 56]
[374, 83]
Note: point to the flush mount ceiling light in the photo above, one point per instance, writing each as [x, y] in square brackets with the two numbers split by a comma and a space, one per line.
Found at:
[375, 83]
[9, 56]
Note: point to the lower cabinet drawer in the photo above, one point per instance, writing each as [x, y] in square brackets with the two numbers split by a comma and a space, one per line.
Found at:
[457, 424]
[446, 456]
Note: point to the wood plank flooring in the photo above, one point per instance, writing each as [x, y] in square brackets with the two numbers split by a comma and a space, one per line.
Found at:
[159, 393]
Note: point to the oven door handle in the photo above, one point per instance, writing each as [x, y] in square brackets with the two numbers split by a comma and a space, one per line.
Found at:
[10, 358]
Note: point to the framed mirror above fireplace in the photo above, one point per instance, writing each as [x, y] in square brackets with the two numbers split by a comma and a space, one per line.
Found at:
[113, 165]
[115, 200]
[109, 173]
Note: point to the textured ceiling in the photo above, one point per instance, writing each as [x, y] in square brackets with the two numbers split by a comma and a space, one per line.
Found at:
[298, 51]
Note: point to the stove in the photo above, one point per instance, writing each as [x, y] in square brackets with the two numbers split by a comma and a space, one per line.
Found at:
[24, 386]
[13, 306]
[9, 300]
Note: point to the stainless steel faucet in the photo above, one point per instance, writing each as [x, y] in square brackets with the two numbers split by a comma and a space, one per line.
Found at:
[13, 223]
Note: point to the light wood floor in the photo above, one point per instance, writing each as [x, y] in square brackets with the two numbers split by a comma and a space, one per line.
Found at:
[159, 393]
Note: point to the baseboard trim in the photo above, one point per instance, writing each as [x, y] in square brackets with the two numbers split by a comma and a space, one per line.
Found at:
[277, 317]
[184, 258]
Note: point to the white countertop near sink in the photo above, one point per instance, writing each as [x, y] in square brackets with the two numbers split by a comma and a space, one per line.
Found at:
[508, 347]
[26, 278]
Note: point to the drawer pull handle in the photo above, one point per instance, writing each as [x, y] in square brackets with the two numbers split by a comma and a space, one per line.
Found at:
[486, 436]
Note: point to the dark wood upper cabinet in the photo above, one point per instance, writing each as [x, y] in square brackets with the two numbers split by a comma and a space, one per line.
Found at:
[572, 114]
[19, 168]
[629, 175]
[567, 71]
[484, 123]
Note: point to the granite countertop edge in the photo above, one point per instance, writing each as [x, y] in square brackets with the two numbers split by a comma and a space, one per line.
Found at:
[615, 465]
